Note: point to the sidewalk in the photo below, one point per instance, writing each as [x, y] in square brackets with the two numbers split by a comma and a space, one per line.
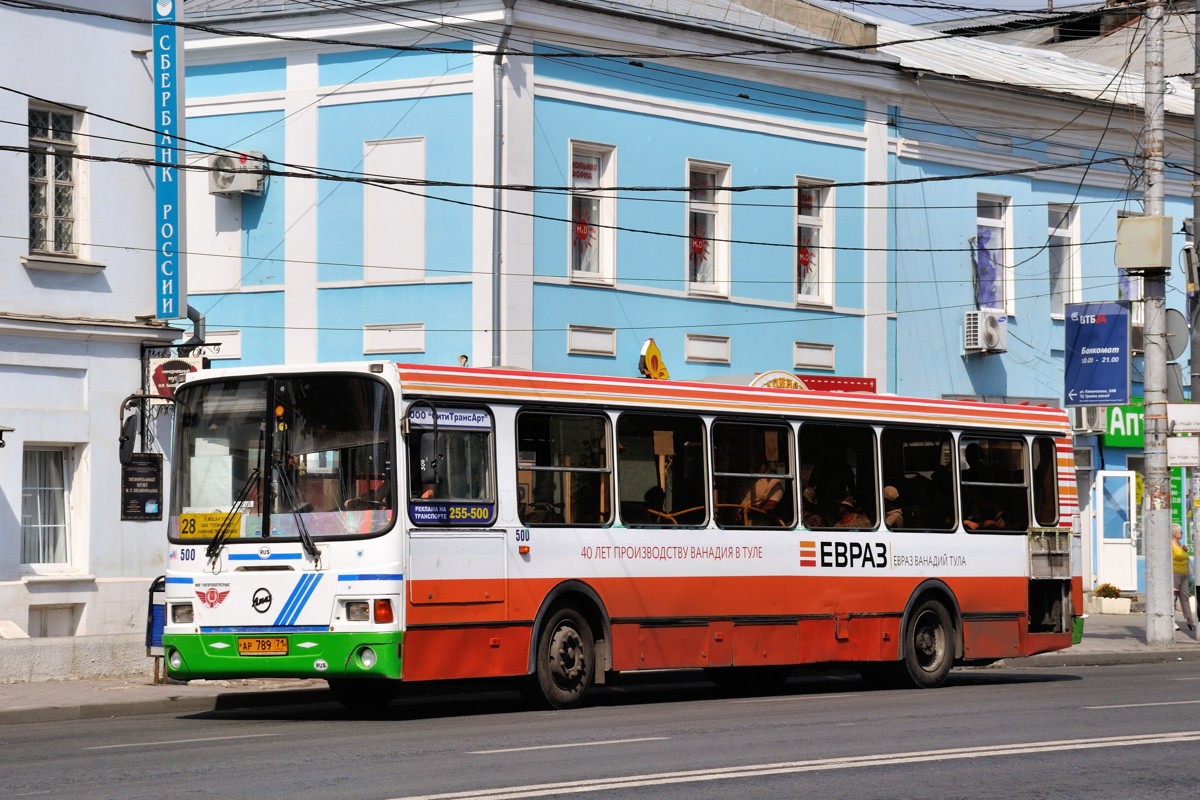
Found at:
[1107, 639]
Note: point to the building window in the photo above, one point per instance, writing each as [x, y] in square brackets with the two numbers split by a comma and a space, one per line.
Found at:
[52, 182]
[708, 228]
[44, 507]
[814, 240]
[993, 288]
[1062, 245]
[593, 213]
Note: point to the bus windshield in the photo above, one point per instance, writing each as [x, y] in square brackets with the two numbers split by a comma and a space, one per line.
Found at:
[283, 457]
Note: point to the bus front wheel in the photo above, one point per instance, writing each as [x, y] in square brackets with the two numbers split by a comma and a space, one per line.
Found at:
[929, 646]
[565, 659]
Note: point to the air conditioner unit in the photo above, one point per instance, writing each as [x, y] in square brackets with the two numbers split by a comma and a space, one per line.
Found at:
[1089, 419]
[985, 331]
[236, 173]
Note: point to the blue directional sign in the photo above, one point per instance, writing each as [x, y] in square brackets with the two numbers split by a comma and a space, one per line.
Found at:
[1098, 353]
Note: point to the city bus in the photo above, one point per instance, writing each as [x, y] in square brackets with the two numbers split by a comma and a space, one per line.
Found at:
[379, 524]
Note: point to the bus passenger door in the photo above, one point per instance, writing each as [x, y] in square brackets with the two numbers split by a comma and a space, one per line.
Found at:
[1115, 526]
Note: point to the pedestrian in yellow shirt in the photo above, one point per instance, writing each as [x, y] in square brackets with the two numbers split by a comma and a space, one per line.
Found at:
[1181, 573]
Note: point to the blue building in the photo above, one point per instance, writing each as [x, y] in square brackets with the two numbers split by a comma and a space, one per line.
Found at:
[722, 208]
[550, 184]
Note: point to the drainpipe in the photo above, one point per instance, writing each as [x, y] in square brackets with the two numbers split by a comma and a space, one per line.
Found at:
[498, 175]
[197, 339]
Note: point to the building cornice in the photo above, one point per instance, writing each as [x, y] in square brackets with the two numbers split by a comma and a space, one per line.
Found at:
[149, 331]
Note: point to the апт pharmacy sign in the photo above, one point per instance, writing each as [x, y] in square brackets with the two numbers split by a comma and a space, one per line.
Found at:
[1126, 425]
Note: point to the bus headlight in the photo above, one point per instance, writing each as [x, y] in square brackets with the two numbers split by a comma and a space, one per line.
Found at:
[174, 660]
[182, 614]
[358, 611]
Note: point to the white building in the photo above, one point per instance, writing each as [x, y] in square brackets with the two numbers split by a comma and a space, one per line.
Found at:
[76, 312]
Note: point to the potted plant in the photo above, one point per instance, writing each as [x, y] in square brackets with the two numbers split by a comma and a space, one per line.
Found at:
[1107, 599]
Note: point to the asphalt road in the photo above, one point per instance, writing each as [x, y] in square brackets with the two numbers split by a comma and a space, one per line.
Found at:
[1067, 732]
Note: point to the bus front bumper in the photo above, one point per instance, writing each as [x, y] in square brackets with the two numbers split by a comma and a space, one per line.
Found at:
[190, 656]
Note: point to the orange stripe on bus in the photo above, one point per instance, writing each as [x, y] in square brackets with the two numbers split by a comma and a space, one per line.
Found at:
[676, 623]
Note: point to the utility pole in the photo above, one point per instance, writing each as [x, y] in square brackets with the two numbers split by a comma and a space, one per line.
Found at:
[1193, 259]
[1193, 278]
[1156, 501]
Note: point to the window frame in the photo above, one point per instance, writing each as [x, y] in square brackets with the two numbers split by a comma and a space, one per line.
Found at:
[66, 466]
[526, 491]
[936, 493]
[54, 150]
[823, 223]
[634, 512]
[1068, 289]
[719, 210]
[1000, 490]
[603, 229]
[834, 473]
[1003, 255]
[1043, 454]
[743, 481]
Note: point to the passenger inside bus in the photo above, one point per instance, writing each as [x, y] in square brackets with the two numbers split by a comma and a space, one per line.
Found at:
[849, 516]
[808, 509]
[543, 509]
[893, 514]
[765, 492]
[985, 514]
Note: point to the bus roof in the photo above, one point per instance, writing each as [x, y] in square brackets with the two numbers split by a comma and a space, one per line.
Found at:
[483, 384]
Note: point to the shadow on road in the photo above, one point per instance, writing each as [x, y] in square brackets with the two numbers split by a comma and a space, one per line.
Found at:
[440, 700]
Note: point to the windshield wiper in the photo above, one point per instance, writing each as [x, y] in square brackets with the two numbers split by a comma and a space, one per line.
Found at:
[297, 511]
[223, 532]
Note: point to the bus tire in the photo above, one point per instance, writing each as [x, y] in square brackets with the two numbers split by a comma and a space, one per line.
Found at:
[928, 645]
[566, 659]
[364, 694]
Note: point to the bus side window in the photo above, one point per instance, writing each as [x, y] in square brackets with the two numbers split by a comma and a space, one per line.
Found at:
[916, 472]
[1045, 481]
[844, 479]
[753, 484]
[564, 472]
[666, 451]
[994, 486]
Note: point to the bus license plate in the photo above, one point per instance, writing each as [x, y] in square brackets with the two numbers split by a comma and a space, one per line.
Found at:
[262, 645]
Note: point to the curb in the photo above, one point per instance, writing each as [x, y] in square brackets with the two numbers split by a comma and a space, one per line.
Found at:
[1067, 659]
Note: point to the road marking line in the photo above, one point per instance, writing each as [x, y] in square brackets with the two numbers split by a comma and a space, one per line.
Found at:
[798, 698]
[572, 744]
[815, 765]
[1145, 705]
[182, 741]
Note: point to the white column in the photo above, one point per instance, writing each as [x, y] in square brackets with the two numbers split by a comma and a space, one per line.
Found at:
[300, 212]
[877, 347]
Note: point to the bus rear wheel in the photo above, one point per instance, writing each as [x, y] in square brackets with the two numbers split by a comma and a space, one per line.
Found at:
[929, 646]
[566, 659]
[364, 694]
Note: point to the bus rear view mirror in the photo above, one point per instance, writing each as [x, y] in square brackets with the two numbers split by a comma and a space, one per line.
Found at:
[433, 450]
